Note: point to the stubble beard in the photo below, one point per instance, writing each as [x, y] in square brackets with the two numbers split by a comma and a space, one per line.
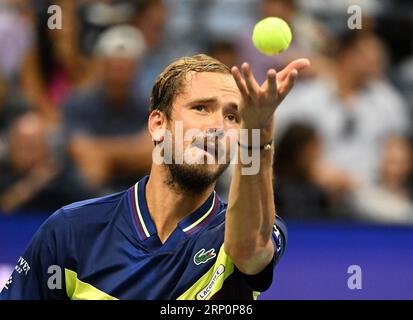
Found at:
[192, 179]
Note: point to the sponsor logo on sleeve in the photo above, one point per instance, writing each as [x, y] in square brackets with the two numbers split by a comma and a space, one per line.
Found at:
[205, 292]
[22, 266]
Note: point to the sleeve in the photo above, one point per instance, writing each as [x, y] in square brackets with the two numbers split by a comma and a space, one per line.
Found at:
[262, 281]
[37, 275]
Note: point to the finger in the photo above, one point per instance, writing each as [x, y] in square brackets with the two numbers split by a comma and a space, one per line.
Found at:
[289, 83]
[298, 65]
[239, 81]
[252, 84]
[270, 85]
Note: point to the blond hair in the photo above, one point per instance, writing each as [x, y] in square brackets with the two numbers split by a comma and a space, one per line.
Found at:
[170, 82]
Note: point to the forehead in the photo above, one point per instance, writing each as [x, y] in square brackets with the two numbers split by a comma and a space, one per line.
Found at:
[206, 84]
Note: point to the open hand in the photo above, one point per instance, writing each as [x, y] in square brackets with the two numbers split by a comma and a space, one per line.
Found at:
[259, 102]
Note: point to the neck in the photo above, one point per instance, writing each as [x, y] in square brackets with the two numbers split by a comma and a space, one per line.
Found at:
[168, 205]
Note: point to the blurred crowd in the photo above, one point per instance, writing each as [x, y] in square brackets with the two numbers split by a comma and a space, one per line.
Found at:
[74, 101]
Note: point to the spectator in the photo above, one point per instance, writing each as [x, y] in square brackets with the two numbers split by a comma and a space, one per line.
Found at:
[11, 107]
[224, 50]
[96, 16]
[55, 65]
[297, 193]
[404, 78]
[151, 18]
[31, 179]
[391, 200]
[105, 125]
[16, 33]
[354, 109]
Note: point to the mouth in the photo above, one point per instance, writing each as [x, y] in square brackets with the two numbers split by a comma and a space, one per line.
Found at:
[209, 148]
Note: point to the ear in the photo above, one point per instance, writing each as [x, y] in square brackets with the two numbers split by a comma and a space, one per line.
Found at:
[156, 125]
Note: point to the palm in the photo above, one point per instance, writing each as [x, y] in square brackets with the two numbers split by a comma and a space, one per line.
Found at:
[259, 102]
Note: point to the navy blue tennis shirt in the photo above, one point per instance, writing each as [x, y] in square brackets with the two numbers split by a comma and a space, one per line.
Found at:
[108, 248]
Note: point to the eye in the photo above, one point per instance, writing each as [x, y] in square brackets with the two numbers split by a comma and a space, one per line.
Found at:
[232, 117]
[199, 107]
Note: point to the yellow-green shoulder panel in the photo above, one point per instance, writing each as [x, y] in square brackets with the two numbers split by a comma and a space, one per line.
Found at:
[79, 290]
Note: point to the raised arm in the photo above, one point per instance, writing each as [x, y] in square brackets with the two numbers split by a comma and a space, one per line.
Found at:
[251, 211]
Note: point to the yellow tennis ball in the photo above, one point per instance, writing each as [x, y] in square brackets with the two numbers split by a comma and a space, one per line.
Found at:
[271, 35]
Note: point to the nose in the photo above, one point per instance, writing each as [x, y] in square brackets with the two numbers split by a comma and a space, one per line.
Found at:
[216, 133]
[216, 126]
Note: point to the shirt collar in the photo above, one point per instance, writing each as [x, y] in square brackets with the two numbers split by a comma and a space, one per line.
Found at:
[191, 224]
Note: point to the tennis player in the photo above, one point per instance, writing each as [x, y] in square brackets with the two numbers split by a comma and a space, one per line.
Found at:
[170, 236]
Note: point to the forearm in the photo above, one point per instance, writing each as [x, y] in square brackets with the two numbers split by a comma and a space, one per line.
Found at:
[26, 188]
[101, 158]
[133, 154]
[250, 215]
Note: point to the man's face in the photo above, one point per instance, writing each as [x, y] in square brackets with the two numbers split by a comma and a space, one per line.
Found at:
[208, 104]
[367, 58]
[28, 145]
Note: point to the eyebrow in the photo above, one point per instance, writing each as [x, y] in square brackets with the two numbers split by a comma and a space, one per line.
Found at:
[204, 100]
[212, 100]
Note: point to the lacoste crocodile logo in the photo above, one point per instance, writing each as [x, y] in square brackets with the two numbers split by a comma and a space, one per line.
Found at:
[203, 256]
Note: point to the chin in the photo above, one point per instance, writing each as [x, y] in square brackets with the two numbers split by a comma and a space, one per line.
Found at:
[194, 178]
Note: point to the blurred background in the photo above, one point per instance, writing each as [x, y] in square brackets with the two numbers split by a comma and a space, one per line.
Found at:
[74, 106]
